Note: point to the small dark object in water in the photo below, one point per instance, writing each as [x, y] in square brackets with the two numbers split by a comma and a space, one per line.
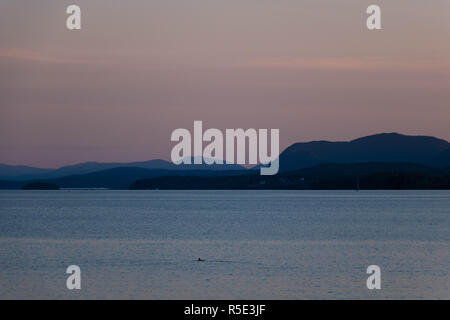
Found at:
[200, 259]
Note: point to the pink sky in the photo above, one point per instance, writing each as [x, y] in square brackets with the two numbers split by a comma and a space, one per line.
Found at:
[115, 90]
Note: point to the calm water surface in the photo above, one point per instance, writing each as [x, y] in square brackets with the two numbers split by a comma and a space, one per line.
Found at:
[257, 244]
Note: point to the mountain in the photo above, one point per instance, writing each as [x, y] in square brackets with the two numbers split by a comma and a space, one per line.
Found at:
[29, 173]
[384, 147]
[442, 159]
[11, 172]
[115, 178]
[381, 175]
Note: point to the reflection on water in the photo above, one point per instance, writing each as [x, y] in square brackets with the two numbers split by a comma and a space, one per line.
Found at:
[256, 244]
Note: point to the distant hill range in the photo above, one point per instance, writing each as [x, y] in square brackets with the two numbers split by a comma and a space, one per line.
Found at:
[115, 178]
[8, 172]
[371, 176]
[387, 160]
[384, 147]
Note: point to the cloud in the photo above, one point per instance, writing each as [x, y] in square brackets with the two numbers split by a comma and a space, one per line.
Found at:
[17, 54]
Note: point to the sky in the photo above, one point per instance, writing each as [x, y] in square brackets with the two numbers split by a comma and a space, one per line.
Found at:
[137, 70]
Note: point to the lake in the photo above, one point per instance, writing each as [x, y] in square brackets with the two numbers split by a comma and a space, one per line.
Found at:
[256, 244]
